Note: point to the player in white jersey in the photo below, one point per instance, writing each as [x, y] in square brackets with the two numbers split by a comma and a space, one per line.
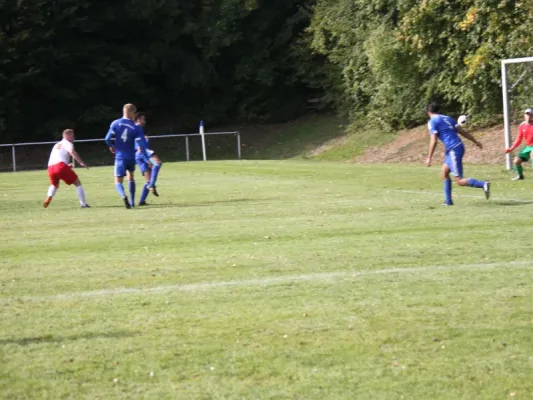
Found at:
[59, 168]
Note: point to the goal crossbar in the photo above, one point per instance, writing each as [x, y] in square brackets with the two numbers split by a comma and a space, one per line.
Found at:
[516, 60]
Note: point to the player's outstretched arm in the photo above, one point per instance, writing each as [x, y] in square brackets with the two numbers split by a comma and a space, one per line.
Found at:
[432, 147]
[517, 142]
[77, 157]
[468, 136]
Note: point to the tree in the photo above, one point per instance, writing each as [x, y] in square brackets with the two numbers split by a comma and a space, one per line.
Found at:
[395, 55]
[74, 63]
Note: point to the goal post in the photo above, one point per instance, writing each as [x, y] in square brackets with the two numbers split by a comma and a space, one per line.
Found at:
[506, 90]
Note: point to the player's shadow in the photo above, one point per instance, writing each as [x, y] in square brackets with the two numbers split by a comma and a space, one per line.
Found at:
[160, 205]
[511, 203]
[62, 339]
[190, 204]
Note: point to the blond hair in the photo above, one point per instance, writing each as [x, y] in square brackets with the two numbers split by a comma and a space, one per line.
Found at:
[129, 108]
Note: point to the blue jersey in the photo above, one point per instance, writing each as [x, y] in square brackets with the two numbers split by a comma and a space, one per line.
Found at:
[125, 133]
[140, 156]
[445, 127]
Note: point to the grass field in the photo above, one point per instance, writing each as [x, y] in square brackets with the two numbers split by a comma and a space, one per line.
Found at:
[268, 280]
[323, 137]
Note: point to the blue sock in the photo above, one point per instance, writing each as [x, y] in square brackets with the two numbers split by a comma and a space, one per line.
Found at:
[144, 193]
[132, 192]
[448, 191]
[474, 183]
[155, 172]
[120, 190]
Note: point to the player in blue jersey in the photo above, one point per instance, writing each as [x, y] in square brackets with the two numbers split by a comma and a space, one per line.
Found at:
[448, 130]
[149, 166]
[125, 133]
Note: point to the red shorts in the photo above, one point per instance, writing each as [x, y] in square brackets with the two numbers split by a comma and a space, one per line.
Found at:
[62, 172]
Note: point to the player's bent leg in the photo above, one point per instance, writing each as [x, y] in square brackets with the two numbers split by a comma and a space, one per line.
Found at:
[54, 184]
[146, 190]
[156, 160]
[157, 164]
[518, 168]
[471, 182]
[455, 162]
[81, 194]
[51, 192]
[144, 194]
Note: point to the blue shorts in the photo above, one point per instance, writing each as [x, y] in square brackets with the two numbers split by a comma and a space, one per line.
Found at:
[454, 160]
[143, 166]
[140, 160]
[121, 166]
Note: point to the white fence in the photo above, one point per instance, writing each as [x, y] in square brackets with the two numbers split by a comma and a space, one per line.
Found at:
[186, 136]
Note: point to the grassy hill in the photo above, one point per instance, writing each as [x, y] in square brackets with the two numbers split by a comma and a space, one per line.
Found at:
[321, 137]
[327, 137]
[314, 137]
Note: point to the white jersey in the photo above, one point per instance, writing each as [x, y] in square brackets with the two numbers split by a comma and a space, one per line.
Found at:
[61, 153]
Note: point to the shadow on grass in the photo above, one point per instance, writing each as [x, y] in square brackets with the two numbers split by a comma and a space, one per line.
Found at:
[228, 201]
[61, 339]
[190, 204]
[291, 139]
[160, 205]
[510, 203]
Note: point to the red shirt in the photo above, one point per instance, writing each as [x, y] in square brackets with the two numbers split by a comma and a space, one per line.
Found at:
[525, 131]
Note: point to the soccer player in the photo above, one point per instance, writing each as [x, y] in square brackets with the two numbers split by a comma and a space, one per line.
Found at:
[59, 168]
[446, 129]
[149, 166]
[125, 133]
[525, 132]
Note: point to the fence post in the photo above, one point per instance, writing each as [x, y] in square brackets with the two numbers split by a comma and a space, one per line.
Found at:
[238, 145]
[202, 134]
[187, 155]
[14, 158]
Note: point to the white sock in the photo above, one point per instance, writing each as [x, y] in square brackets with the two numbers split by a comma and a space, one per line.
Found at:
[81, 195]
[51, 191]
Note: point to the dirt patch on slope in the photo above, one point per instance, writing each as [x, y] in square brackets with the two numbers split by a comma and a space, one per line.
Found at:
[330, 144]
[411, 146]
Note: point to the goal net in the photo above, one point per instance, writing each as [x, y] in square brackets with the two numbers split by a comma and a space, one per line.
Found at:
[517, 87]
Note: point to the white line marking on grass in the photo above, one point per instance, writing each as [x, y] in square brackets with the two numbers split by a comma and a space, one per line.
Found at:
[284, 279]
[481, 197]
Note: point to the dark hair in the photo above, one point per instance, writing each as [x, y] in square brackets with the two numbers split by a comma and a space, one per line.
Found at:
[139, 115]
[433, 108]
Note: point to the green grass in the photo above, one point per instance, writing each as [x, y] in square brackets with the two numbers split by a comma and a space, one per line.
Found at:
[320, 137]
[267, 280]
[354, 144]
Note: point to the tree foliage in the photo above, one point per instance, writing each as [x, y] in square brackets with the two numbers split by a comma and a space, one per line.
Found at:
[75, 62]
[394, 55]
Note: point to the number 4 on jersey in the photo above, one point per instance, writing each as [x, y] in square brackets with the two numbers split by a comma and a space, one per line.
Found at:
[124, 136]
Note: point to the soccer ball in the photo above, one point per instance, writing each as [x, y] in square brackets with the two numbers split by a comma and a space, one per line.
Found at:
[462, 120]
